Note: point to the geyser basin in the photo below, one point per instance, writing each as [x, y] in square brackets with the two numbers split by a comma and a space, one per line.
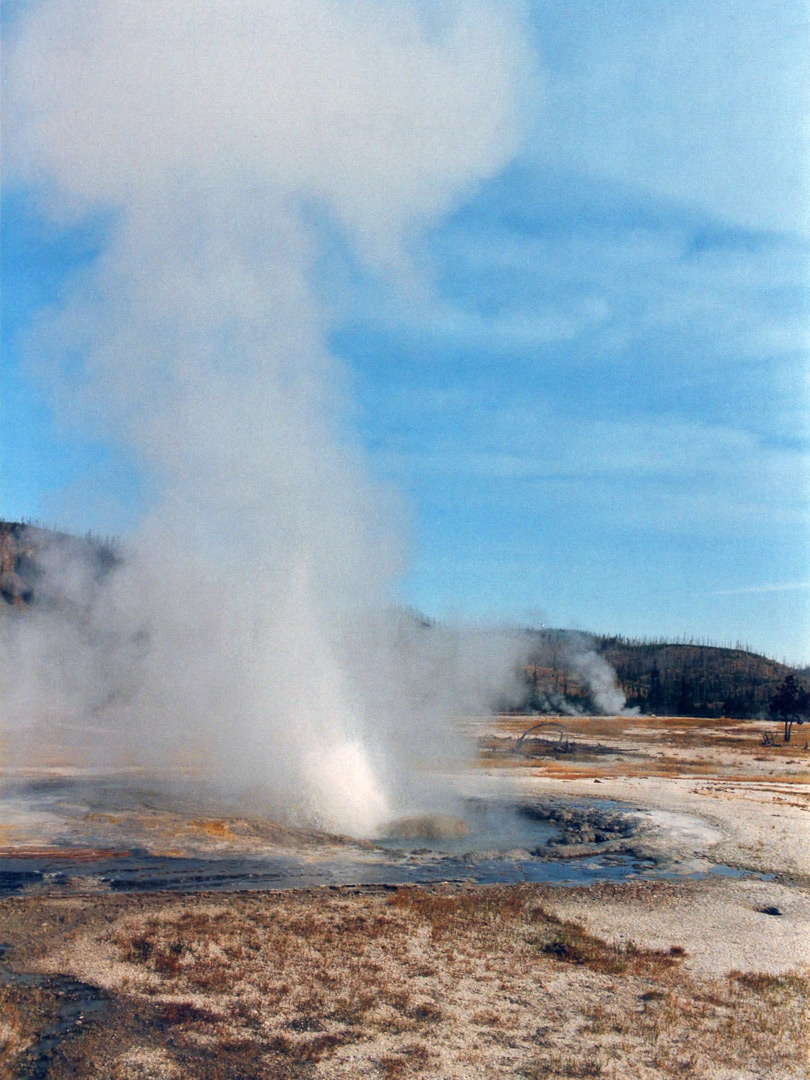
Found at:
[141, 872]
[91, 833]
[84, 832]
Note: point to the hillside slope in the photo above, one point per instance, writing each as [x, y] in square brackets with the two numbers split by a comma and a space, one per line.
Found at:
[35, 563]
[655, 677]
[696, 680]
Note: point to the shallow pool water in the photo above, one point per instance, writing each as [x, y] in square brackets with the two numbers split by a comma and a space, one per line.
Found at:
[149, 873]
[97, 835]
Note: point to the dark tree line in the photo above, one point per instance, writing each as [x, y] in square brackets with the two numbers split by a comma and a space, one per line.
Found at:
[685, 678]
[697, 680]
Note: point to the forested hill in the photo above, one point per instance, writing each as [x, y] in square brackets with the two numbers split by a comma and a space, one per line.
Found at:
[700, 680]
[37, 564]
[668, 679]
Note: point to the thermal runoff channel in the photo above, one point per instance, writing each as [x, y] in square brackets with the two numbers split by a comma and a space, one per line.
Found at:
[250, 627]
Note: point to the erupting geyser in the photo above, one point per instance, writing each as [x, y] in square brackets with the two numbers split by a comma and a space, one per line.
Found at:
[213, 145]
[343, 789]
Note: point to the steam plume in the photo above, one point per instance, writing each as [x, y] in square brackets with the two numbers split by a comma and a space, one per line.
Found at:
[246, 626]
[598, 675]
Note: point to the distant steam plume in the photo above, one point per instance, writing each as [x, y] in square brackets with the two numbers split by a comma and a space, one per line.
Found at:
[569, 675]
[250, 624]
[597, 674]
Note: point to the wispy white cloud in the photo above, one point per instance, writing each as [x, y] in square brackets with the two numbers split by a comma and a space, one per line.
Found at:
[664, 473]
[684, 299]
[704, 102]
[776, 587]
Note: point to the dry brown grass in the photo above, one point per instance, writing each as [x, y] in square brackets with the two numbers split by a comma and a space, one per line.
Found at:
[647, 747]
[411, 983]
[16, 1026]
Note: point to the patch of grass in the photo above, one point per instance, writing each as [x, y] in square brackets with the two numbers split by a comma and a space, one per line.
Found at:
[412, 1058]
[13, 1033]
[776, 990]
[311, 1047]
[184, 1012]
[382, 984]
[563, 1064]
[570, 943]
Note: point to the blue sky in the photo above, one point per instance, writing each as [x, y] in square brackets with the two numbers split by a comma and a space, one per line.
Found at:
[595, 407]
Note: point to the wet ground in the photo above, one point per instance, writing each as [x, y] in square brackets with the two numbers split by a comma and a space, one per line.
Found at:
[108, 834]
[68, 1005]
[141, 872]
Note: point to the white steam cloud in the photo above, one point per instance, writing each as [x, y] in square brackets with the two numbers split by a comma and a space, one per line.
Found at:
[250, 624]
[597, 674]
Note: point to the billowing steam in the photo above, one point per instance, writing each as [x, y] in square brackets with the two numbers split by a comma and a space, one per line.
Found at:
[568, 675]
[597, 674]
[250, 624]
